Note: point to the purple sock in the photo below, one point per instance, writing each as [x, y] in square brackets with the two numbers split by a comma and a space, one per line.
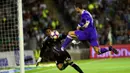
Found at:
[66, 42]
[103, 50]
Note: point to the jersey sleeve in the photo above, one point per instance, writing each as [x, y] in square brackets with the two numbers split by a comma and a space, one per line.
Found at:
[44, 46]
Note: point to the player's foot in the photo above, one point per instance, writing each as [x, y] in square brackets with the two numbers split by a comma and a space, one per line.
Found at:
[38, 61]
[37, 64]
[113, 50]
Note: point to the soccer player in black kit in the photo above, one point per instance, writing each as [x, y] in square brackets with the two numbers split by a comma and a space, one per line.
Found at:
[62, 58]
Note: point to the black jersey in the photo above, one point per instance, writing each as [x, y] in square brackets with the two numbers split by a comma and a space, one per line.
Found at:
[51, 48]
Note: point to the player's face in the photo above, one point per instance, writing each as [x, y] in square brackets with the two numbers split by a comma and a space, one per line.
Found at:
[48, 32]
[77, 9]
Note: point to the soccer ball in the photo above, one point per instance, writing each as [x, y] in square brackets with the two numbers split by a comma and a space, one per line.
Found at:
[55, 34]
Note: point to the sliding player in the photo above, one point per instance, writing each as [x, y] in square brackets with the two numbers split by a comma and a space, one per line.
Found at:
[62, 58]
[86, 31]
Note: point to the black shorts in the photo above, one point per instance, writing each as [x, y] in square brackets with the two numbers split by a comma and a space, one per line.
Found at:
[61, 56]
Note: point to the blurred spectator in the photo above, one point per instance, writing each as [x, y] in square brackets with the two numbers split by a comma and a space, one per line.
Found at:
[109, 17]
[104, 11]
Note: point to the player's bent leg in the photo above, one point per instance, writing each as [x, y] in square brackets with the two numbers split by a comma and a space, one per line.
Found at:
[113, 50]
[68, 39]
[96, 50]
[96, 47]
[100, 50]
[62, 66]
[76, 67]
[81, 35]
[103, 50]
[72, 34]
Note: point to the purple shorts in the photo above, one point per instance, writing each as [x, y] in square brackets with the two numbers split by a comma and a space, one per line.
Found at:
[90, 36]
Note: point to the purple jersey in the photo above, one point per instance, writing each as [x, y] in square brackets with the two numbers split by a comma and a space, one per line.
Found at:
[86, 17]
[89, 32]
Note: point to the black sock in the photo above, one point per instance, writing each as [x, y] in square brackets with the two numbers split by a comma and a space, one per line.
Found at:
[76, 67]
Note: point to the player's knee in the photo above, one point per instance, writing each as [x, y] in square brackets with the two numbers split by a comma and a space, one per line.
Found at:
[60, 67]
[70, 33]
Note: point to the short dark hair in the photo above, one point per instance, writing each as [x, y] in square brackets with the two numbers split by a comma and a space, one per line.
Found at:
[46, 28]
[79, 5]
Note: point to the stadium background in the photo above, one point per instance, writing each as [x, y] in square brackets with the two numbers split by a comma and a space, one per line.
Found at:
[109, 15]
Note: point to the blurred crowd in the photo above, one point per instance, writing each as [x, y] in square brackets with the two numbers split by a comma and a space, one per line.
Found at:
[36, 17]
[111, 18]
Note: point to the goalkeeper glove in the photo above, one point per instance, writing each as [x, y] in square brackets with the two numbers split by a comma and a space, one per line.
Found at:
[62, 49]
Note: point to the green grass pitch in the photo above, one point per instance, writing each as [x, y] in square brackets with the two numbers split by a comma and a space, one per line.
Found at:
[114, 65]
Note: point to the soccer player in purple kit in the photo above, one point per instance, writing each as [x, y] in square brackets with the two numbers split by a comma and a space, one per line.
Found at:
[88, 32]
